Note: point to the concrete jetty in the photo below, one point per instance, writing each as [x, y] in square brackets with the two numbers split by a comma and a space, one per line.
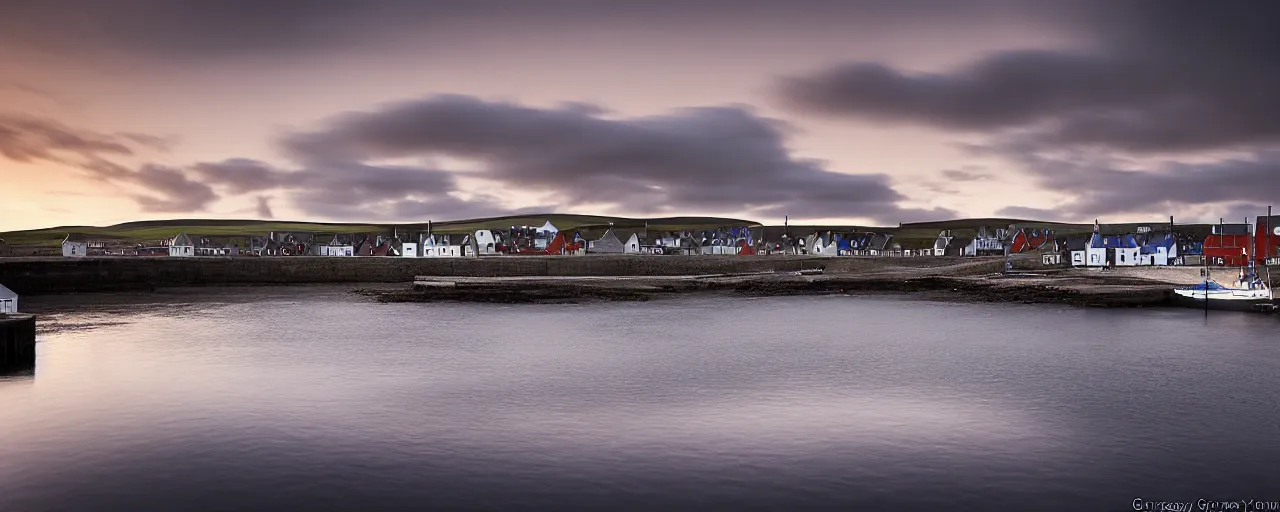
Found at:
[17, 341]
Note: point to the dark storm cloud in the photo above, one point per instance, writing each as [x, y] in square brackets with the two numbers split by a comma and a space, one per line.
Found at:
[1148, 76]
[706, 159]
[28, 139]
[1103, 185]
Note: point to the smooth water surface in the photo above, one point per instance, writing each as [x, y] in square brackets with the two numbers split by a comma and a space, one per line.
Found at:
[315, 399]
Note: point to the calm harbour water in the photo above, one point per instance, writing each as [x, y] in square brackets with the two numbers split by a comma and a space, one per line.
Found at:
[315, 399]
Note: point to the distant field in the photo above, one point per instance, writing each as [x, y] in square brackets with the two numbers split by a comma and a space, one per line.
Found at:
[149, 231]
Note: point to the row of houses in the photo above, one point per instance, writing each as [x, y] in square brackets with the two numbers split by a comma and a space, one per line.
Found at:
[1227, 244]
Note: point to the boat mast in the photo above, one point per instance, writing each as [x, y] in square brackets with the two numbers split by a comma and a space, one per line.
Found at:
[1266, 255]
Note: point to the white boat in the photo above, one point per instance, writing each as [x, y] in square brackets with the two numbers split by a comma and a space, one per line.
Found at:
[1248, 293]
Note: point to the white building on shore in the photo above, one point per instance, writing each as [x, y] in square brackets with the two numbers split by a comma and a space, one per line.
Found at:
[8, 300]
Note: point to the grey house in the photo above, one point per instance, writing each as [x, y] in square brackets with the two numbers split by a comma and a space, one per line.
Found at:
[608, 243]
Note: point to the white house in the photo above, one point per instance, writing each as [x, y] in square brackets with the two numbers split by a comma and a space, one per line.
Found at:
[548, 229]
[487, 241]
[986, 243]
[75, 246]
[8, 300]
[632, 244]
[1096, 251]
[341, 244]
[941, 243]
[434, 246]
[181, 246]
[408, 250]
[817, 245]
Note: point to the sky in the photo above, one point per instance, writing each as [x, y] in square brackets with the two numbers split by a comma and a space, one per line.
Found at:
[822, 111]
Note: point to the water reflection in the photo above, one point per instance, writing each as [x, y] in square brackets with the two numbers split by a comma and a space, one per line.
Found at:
[314, 399]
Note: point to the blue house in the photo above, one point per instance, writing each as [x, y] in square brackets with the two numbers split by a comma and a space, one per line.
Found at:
[1121, 250]
[1159, 250]
[851, 244]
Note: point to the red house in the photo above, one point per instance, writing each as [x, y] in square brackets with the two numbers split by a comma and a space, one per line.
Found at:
[1024, 241]
[1227, 250]
[1266, 247]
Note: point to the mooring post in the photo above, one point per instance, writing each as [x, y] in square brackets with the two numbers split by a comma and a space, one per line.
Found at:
[17, 341]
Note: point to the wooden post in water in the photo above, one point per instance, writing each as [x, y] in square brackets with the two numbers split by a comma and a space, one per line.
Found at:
[17, 341]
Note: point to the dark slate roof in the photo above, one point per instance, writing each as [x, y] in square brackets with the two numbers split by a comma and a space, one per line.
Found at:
[1076, 243]
[878, 242]
[76, 237]
[6, 293]
[1231, 229]
[913, 244]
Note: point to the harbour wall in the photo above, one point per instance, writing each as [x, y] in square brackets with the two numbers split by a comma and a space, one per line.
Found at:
[37, 276]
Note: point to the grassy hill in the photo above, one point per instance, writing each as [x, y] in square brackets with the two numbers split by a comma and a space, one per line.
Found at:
[589, 225]
[155, 230]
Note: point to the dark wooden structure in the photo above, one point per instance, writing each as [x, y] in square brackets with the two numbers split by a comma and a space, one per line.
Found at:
[17, 341]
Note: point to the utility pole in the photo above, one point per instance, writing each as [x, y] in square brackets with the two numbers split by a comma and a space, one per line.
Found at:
[1221, 228]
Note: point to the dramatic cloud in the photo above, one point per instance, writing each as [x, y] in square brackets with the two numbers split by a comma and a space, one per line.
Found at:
[164, 190]
[31, 139]
[1103, 185]
[699, 159]
[350, 190]
[27, 139]
[1152, 76]
[1148, 79]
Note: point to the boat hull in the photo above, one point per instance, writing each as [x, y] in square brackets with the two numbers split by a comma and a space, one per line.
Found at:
[1222, 304]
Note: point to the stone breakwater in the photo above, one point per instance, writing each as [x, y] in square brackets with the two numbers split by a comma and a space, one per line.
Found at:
[36, 276]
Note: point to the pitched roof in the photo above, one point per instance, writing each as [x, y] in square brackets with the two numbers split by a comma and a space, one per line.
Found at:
[1119, 241]
[6, 293]
[182, 240]
[1155, 242]
[75, 237]
[878, 242]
